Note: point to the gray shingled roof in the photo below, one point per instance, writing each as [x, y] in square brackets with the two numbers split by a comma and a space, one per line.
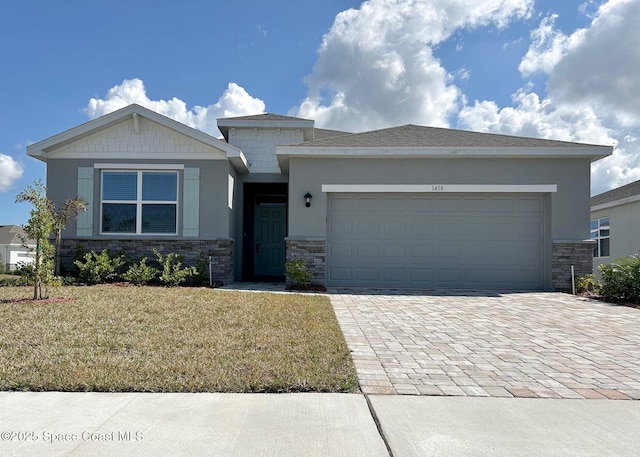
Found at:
[420, 137]
[321, 134]
[626, 191]
[9, 234]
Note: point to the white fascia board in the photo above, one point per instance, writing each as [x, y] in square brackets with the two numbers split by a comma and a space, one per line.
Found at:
[622, 201]
[440, 188]
[239, 162]
[591, 152]
[265, 123]
[139, 166]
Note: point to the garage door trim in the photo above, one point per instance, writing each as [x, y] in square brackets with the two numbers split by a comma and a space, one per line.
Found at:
[440, 188]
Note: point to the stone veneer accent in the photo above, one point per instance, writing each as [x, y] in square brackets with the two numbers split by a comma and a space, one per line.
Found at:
[221, 251]
[567, 253]
[314, 253]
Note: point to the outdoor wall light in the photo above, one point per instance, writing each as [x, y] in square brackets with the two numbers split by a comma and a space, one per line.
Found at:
[307, 199]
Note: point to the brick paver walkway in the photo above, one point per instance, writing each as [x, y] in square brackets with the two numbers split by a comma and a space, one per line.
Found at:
[548, 345]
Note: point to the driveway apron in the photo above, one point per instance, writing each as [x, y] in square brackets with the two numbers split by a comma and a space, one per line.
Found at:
[484, 344]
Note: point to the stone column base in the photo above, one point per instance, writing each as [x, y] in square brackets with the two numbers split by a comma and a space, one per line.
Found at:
[567, 253]
[313, 251]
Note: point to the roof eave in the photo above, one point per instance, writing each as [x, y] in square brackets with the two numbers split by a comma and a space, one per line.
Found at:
[305, 125]
[239, 162]
[593, 152]
[617, 202]
[40, 149]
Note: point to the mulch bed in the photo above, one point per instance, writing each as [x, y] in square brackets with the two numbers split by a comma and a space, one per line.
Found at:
[595, 296]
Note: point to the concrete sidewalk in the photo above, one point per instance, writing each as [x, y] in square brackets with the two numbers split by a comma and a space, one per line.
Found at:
[123, 424]
[507, 427]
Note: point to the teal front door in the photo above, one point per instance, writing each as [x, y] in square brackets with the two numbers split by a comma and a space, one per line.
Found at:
[270, 231]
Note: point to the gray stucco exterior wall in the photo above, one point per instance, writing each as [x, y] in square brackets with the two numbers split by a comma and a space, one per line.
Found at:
[624, 238]
[569, 205]
[214, 213]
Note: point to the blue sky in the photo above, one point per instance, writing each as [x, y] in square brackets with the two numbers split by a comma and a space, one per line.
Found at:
[564, 70]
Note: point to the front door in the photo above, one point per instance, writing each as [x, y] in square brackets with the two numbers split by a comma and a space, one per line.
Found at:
[268, 244]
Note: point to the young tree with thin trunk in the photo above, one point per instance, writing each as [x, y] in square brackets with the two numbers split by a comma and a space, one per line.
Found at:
[39, 228]
[44, 220]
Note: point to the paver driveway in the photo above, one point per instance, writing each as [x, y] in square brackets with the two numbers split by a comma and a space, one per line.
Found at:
[490, 344]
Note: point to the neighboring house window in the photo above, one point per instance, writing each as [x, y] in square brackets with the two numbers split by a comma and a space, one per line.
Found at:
[600, 232]
[140, 202]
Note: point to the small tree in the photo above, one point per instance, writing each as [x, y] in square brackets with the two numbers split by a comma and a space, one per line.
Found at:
[70, 209]
[39, 227]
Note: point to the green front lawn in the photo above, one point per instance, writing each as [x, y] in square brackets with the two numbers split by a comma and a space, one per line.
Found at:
[153, 339]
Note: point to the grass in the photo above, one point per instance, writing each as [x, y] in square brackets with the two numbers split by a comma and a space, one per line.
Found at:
[10, 280]
[152, 339]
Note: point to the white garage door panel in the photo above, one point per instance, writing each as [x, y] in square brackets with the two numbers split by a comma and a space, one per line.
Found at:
[426, 240]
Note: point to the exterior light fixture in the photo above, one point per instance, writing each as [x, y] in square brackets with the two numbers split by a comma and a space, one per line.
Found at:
[307, 199]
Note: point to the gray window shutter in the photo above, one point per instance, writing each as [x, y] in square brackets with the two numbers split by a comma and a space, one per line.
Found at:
[191, 202]
[85, 190]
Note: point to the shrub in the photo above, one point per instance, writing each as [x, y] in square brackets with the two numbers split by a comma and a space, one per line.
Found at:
[621, 279]
[588, 283]
[99, 268]
[297, 271]
[201, 275]
[140, 273]
[173, 273]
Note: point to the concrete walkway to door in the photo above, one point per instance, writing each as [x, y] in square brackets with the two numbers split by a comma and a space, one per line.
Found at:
[484, 344]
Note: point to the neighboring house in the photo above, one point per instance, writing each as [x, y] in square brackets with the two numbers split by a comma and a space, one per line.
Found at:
[12, 252]
[615, 224]
[408, 206]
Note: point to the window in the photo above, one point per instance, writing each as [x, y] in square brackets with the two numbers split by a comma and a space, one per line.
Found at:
[139, 202]
[600, 232]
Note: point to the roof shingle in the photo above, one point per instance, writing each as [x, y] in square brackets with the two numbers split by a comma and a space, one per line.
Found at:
[409, 136]
[626, 191]
[10, 234]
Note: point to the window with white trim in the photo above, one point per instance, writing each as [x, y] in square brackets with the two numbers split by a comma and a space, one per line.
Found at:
[139, 202]
[600, 232]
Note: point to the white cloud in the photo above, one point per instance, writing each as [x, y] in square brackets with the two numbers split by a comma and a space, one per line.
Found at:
[534, 117]
[547, 47]
[602, 64]
[235, 101]
[10, 172]
[376, 67]
[593, 92]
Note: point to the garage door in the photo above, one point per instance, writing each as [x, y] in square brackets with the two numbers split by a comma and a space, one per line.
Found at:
[436, 241]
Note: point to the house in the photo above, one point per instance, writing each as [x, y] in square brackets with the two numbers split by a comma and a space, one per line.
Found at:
[408, 206]
[12, 251]
[615, 224]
